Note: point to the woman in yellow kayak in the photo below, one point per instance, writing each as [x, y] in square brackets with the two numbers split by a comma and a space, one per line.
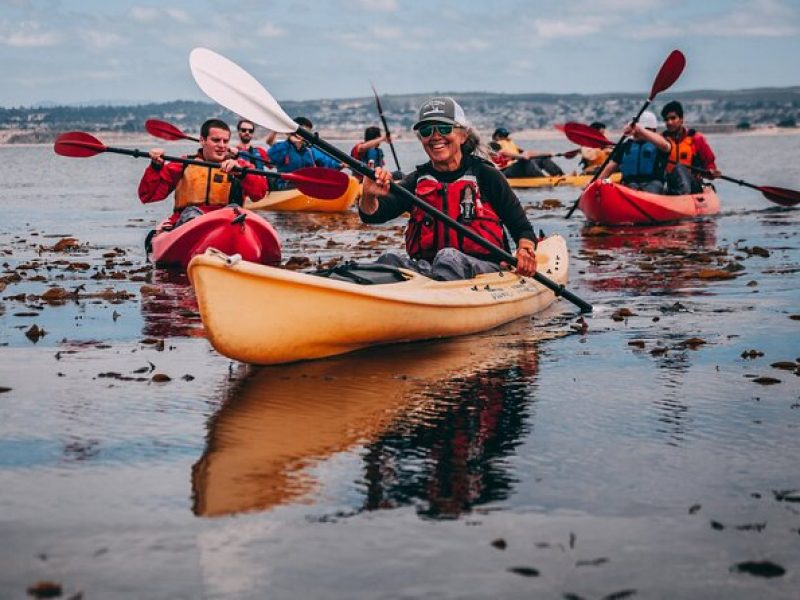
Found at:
[460, 184]
[515, 162]
[593, 158]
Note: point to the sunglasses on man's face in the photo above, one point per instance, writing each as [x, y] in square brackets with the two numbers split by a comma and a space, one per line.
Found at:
[246, 130]
[426, 131]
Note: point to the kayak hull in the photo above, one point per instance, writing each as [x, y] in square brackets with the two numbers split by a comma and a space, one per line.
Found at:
[231, 230]
[614, 204]
[296, 316]
[556, 181]
[294, 200]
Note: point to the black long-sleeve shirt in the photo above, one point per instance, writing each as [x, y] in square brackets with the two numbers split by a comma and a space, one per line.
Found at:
[493, 187]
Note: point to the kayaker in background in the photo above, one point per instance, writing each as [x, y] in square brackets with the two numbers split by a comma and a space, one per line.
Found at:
[513, 161]
[689, 148]
[369, 151]
[642, 159]
[199, 189]
[593, 158]
[295, 153]
[245, 148]
[462, 184]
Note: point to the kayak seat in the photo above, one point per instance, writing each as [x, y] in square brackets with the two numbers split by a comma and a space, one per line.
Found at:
[362, 273]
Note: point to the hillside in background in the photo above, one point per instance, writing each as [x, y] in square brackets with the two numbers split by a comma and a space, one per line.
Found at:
[710, 110]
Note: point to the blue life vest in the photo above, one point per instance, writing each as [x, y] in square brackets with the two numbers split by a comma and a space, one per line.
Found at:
[375, 155]
[641, 161]
[253, 156]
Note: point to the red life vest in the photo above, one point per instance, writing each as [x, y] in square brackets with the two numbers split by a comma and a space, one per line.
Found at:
[461, 200]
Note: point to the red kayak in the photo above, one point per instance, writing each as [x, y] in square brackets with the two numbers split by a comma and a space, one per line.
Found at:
[231, 229]
[614, 204]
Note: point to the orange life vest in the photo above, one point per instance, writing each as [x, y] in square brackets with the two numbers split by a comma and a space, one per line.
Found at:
[203, 186]
[682, 151]
[461, 200]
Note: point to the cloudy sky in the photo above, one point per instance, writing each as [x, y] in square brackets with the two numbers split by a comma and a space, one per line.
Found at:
[68, 51]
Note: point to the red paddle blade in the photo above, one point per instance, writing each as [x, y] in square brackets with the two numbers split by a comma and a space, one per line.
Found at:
[164, 130]
[78, 144]
[583, 135]
[669, 72]
[780, 196]
[558, 126]
[319, 182]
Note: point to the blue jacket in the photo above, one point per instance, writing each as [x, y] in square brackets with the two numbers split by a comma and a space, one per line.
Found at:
[286, 158]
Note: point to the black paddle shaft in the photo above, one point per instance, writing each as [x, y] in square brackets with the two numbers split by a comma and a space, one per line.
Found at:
[497, 252]
[192, 161]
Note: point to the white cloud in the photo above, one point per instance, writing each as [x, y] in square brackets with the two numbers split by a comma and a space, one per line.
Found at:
[145, 14]
[28, 34]
[570, 27]
[270, 30]
[103, 39]
[178, 15]
[378, 5]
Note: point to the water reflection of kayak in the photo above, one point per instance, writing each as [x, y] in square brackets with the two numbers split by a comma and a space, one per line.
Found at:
[615, 204]
[229, 229]
[262, 315]
[278, 423]
[296, 201]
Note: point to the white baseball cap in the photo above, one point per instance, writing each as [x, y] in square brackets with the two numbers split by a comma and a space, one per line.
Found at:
[648, 120]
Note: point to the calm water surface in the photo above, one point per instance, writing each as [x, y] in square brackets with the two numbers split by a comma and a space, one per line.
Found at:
[646, 457]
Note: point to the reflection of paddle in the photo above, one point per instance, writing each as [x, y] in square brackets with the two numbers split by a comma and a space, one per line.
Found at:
[385, 127]
[316, 182]
[667, 75]
[588, 136]
[166, 131]
[234, 88]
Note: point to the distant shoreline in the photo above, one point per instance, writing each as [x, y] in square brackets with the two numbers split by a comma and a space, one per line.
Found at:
[147, 141]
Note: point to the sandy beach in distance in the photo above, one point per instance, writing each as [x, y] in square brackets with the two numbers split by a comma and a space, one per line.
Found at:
[145, 140]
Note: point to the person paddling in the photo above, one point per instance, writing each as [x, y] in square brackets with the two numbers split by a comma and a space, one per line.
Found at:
[458, 182]
[689, 149]
[245, 148]
[369, 151]
[200, 189]
[593, 158]
[642, 158]
[514, 162]
[295, 153]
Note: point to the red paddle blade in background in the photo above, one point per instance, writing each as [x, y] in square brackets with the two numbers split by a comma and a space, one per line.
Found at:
[78, 144]
[669, 72]
[583, 135]
[318, 182]
[165, 131]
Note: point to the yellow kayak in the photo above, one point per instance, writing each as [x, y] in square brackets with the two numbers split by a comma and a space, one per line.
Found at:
[278, 424]
[264, 315]
[559, 181]
[295, 200]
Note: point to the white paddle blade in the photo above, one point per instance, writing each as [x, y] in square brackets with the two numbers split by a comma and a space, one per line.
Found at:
[231, 86]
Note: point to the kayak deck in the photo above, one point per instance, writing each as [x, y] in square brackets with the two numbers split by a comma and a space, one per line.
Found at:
[554, 181]
[229, 229]
[264, 315]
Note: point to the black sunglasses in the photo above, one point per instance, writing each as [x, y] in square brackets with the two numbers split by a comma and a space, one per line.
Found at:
[246, 130]
[426, 131]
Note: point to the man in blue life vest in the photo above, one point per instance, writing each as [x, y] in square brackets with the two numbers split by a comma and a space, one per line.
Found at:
[295, 153]
[642, 159]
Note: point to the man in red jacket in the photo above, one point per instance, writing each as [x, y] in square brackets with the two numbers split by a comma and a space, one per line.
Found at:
[199, 189]
[689, 147]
